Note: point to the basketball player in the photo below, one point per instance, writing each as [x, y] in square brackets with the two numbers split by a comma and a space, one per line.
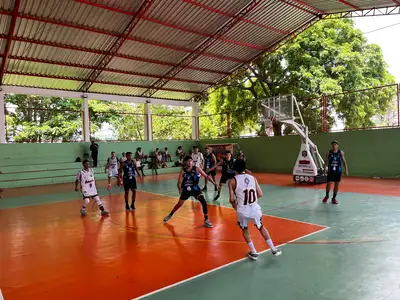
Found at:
[123, 158]
[244, 192]
[112, 168]
[197, 157]
[128, 172]
[209, 161]
[188, 186]
[228, 171]
[333, 162]
[88, 187]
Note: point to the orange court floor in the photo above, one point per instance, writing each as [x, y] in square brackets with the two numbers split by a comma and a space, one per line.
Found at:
[49, 252]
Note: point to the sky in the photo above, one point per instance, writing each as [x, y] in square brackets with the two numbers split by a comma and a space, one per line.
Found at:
[387, 38]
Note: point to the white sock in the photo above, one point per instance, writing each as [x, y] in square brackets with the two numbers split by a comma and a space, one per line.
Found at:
[271, 244]
[252, 248]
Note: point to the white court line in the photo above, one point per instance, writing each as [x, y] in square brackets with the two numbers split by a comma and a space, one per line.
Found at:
[213, 204]
[221, 267]
[1, 296]
[276, 217]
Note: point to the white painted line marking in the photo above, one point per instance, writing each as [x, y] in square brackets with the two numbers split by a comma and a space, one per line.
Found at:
[221, 267]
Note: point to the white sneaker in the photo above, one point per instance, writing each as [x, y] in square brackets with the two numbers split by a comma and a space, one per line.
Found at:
[277, 252]
[208, 224]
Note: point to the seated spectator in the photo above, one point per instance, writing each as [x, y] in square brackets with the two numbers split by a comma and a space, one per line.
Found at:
[166, 156]
[161, 163]
[179, 152]
[139, 165]
[139, 154]
[241, 155]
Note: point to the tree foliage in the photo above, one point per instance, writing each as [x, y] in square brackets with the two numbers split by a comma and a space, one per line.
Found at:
[329, 58]
[49, 119]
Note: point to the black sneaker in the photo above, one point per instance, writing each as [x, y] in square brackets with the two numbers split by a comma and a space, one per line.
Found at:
[127, 208]
[277, 252]
[204, 189]
[133, 207]
[252, 256]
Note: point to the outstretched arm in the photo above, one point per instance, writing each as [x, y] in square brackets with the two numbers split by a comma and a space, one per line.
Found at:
[258, 190]
[346, 168]
[232, 187]
[179, 184]
[200, 170]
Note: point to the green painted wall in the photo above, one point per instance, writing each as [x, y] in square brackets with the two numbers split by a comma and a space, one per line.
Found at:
[369, 152]
[19, 154]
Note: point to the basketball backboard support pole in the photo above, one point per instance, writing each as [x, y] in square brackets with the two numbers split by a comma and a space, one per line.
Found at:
[309, 167]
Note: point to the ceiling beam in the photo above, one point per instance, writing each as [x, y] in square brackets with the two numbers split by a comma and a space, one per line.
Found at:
[144, 7]
[200, 49]
[88, 50]
[245, 20]
[89, 67]
[302, 6]
[130, 38]
[10, 35]
[349, 4]
[166, 24]
[95, 81]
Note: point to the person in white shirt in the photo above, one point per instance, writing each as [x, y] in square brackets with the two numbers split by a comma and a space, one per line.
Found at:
[85, 178]
[197, 157]
[244, 192]
[112, 168]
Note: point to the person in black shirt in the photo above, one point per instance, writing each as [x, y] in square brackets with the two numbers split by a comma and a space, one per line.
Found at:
[228, 171]
[128, 172]
[188, 186]
[94, 148]
[209, 162]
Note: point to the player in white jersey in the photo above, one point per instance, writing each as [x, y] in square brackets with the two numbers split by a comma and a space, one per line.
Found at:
[88, 188]
[244, 192]
[197, 157]
[112, 168]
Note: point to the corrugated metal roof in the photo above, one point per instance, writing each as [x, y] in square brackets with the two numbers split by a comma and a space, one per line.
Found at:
[56, 41]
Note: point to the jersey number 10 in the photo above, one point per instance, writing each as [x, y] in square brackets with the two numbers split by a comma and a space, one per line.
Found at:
[249, 196]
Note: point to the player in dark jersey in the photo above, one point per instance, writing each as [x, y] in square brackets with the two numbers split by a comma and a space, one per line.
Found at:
[128, 172]
[188, 186]
[228, 171]
[209, 162]
[333, 164]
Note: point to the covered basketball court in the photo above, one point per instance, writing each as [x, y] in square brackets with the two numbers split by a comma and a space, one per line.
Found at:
[172, 53]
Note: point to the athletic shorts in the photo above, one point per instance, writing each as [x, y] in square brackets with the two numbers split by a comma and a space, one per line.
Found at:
[193, 193]
[87, 196]
[225, 177]
[334, 177]
[112, 173]
[211, 173]
[244, 219]
[130, 184]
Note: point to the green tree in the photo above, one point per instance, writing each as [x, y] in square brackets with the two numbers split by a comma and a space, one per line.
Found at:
[48, 119]
[329, 58]
[168, 122]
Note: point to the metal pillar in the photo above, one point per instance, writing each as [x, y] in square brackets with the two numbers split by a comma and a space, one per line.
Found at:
[148, 122]
[85, 119]
[195, 122]
[398, 105]
[2, 120]
[228, 123]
